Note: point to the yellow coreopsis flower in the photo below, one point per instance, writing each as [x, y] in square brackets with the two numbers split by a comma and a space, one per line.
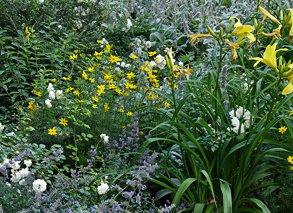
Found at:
[269, 56]
[167, 104]
[282, 129]
[91, 69]
[84, 75]
[130, 75]
[267, 14]
[63, 121]
[129, 114]
[152, 53]
[52, 131]
[290, 159]
[132, 56]
[114, 59]
[32, 106]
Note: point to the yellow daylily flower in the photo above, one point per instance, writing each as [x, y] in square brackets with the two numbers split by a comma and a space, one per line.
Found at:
[242, 31]
[233, 46]
[267, 14]
[289, 75]
[291, 22]
[269, 56]
[195, 37]
[275, 33]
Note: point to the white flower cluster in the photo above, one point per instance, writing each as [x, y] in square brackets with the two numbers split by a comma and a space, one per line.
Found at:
[17, 174]
[236, 117]
[52, 95]
[103, 188]
[104, 137]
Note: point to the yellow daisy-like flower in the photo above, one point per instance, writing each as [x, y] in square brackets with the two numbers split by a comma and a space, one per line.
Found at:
[114, 59]
[32, 106]
[67, 78]
[108, 48]
[53, 80]
[91, 80]
[129, 114]
[167, 104]
[76, 92]
[73, 57]
[121, 110]
[152, 53]
[37, 93]
[282, 129]
[84, 75]
[94, 106]
[132, 56]
[112, 86]
[91, 69]
[290, 159]
[52, 131]
[75, 51]
[95, 99]
[69, 89]
[63, 121]
[130, 75]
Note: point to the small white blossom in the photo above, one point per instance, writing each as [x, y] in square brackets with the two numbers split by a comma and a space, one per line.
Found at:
[148, 44]
[48, 103]
[27, 163]
[129, 24]
[59, 94]
[52, 95]
[104, 137]
[1, 127]
[103, 188]
[39, 185]
[59, 26]
[161, 62]
[50, 87]
[15, 165]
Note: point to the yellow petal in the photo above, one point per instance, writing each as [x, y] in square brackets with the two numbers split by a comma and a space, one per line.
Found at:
[195, 37]
[251, 37]
[291, 31]
[242, 30]
[257, 59]
[269, 56]
[288, 89]
[267, 14]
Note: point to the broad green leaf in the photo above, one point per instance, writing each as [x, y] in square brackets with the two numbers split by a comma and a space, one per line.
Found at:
[227, 197]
